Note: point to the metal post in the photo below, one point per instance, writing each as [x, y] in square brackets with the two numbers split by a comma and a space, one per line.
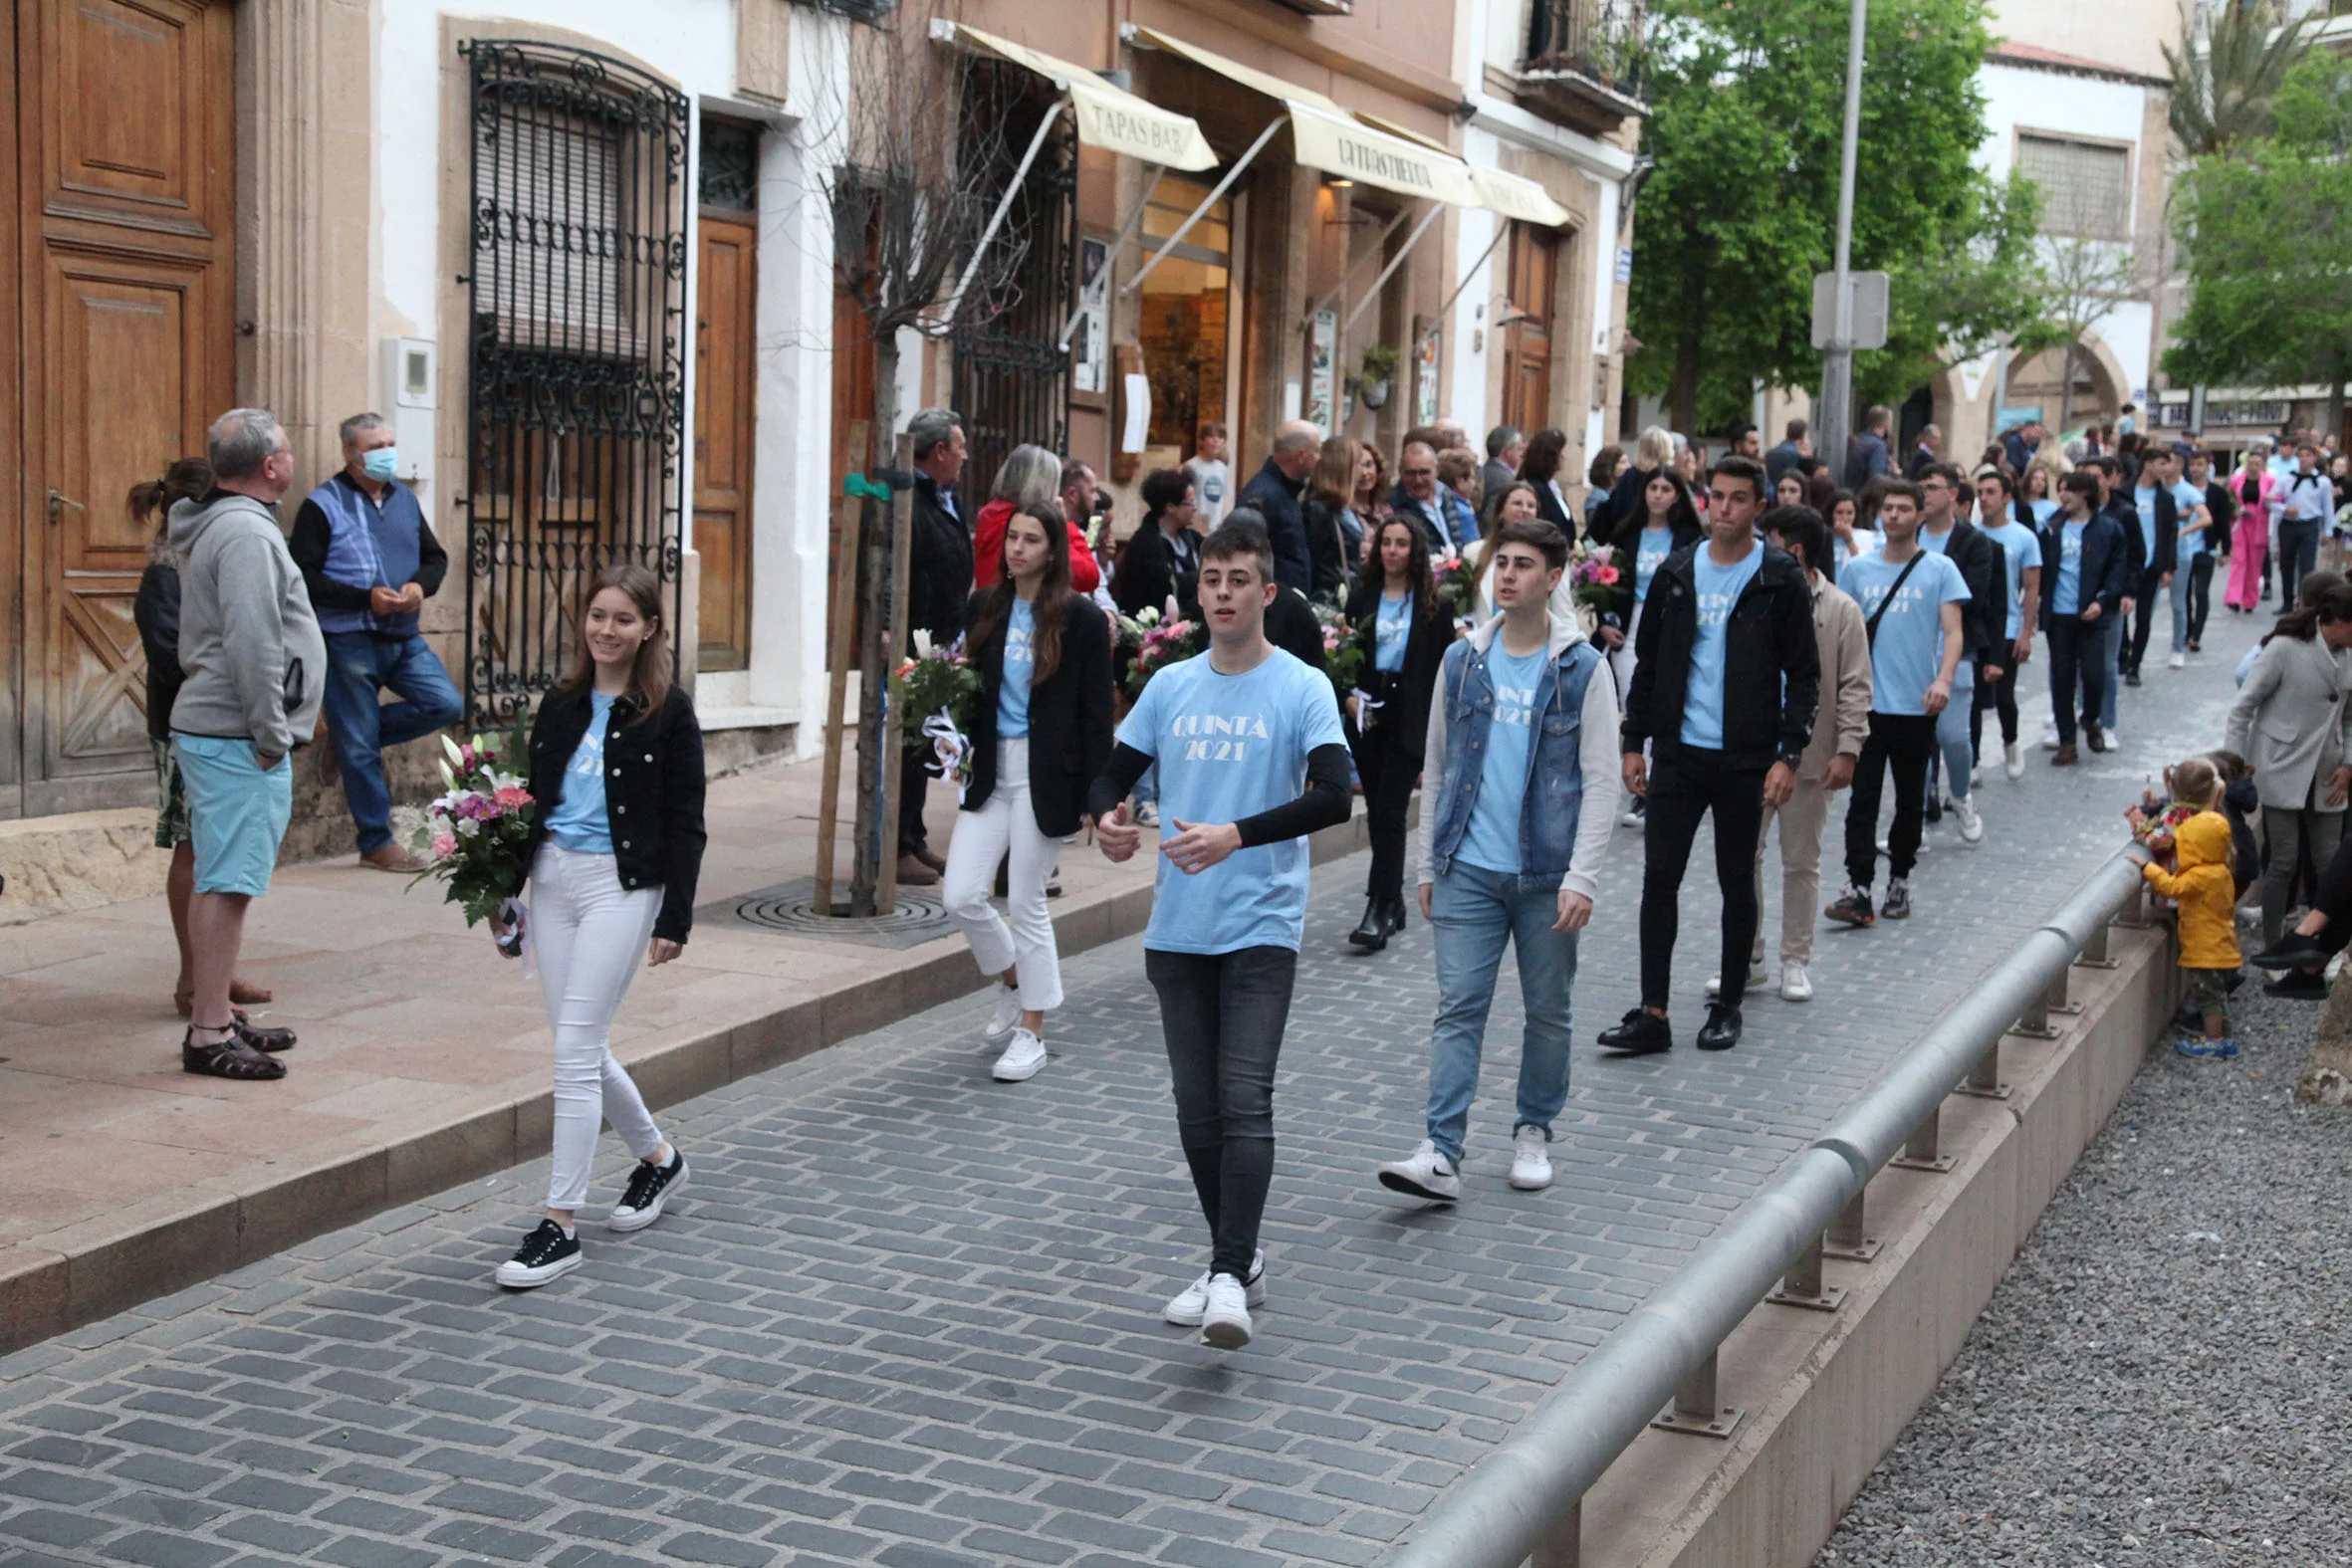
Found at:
[1848, 1235]
[1563, 1543]
[996, 221]
[1388, 272]
[1983, 1079]
[1695, 1410]
[1101, 290]
[1919, 1151]
[1801, 1287]
[1832, 417]
[2034, 1023]
[1348, 270]
[2056, 1000]
[2095, 949]
[2135, 912]
[1208, 201]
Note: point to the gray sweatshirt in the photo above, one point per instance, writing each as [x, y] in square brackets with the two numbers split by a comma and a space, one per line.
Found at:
[249, 644]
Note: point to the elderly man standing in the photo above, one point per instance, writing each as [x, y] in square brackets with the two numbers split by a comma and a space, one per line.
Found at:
[938, 581]
[1274, 495]
[255, 668]
[1445, 518]
[1507, 448]
[370, 561]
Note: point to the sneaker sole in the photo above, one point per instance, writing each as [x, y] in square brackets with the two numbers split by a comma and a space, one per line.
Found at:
[1530, 1184]
[1894, 914]
[640, 1219]
[533, 1278]
[1253, 1293]
[1004, 1074]
[1226, 1334]
[1855, 921]
[1799, 997]
[1398, 1181]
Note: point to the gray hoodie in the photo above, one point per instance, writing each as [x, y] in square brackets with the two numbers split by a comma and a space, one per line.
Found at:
[255, 663]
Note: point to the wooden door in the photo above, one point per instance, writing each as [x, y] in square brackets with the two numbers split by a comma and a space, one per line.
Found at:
[125, 190]
[1527, 341]
[724, 362]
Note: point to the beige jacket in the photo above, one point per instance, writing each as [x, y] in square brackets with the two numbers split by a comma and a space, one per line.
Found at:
[1844, 720]
[2288, 720]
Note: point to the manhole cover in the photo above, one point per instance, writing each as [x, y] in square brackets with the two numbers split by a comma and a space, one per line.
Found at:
[791, 907]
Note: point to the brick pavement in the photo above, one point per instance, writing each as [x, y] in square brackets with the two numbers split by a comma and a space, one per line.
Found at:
[908, 1317]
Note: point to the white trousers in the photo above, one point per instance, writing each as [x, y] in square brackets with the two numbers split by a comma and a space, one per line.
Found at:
[1006, 829]
[589, 935]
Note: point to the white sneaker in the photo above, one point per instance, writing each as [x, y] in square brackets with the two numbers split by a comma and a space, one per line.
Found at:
[1972, 826]
[1148, 815]
[2179, 661]
[1629, 818]
[1975, 776]
[1186, 1308]
[2050, 740]
[1424, 1174]
[1796, 984]
[2013, 760]
[1531, 1159]
[1225, 1317]
[1020, 1061]
[1006, 1019]
[2114, 738]
[1757, 975]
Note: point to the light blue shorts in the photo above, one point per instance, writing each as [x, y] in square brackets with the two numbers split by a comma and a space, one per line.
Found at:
[237, 813]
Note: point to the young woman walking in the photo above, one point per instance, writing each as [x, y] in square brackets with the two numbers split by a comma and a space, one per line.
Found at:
[1334, 534]
[615, 849]
[2256, 495]
[1044, 733]
[1405, 635]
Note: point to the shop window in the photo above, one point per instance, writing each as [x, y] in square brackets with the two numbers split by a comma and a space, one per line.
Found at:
[1186, 309]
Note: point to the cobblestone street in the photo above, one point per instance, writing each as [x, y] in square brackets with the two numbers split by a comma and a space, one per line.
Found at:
[909, 1317]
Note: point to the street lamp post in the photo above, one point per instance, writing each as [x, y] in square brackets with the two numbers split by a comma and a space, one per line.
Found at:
[1831, 421]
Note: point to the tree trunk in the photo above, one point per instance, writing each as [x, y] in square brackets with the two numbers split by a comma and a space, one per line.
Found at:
[2066, 388]
[877, 645]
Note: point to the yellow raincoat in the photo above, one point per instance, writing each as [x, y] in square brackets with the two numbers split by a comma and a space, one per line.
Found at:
[2205, 891]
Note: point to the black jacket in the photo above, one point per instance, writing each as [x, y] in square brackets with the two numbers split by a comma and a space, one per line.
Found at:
[939, 562]
[2221, 508]
[1069, 724]
[1984, 566]
[2105, 562]
[156, 613]
[1291, 627]
[2168, 532]
[1274, 496]
[1326, 548]
[1405, 711]
[1149, 572]
[653, 794]
[1549, 507]
[1772, 663]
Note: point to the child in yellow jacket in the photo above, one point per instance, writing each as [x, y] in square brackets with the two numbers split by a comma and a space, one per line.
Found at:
[2208, 897]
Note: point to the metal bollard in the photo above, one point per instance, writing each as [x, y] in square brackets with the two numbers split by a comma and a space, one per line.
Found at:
[1695, 1410]
[1918, 1154]
[2094, 951]
[2035, 1025]
[1562, 1542]
[1801, 1287]
[2135, 916]
[2058, 999]
[1848, 1236]
[1983, 1079]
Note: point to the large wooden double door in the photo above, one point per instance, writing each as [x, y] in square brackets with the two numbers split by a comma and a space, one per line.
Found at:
[117, 347]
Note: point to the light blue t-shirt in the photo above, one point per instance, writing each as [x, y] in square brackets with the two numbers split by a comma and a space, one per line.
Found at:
[1390, 633]
[2187, 497]
[1491, 840]
[2042, 510]
[1230, 747]
[2144, 499]
[1909, 648]
[1649, 553]
[1719, 592]
[2067, 600]
[2022, 547]
[578, 822]
[1013, 690]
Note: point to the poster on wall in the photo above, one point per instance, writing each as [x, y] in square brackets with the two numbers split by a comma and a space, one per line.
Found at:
[1091, 339]
[1322, 372]
[1425, 377]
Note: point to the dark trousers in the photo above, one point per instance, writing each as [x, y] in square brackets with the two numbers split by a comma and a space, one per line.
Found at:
[1388, 770]
[1223, 1016]
[2144, 595]
[2001, 697]
[2298, 553]
[913, 783]
[1683, 788]
[2201, 593]
[1903, 743]
[2077, 659]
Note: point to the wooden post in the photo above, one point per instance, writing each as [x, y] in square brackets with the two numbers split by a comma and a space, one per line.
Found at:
[841, 651]
[902, 533]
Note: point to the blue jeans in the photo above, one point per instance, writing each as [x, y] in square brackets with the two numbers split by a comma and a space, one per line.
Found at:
[1473, 912]
[359, 665]
[2112, 653]
[1952, 733]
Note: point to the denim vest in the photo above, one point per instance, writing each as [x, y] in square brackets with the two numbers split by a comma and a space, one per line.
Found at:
[1555, 790]
[371, 547]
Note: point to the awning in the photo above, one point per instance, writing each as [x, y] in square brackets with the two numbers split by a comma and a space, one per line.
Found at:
[1511, 195]
[1106, 116]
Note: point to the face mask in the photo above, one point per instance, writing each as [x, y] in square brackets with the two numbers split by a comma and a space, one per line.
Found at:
[381, 464]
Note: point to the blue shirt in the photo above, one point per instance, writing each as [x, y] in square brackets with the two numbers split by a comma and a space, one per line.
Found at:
[1013, 690]
[2042, 510]
[1491, 840]
[2067, 600]
[1391, 632]
[2144, 499]
[2022, 547]
[1909, 647]
[2187, 497]
[1655, 544]
[1230, 747]
[1718, 590]
[579, 822]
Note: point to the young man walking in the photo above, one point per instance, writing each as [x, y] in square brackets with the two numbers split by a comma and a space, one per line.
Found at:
[1514, 821]
[2307, 499]
[1984, 570]
[1251, 759]
[2115, 503]
[1723, 689]
[2084, 562]
[2020, 548]
[1911, 600]
[2157, 511]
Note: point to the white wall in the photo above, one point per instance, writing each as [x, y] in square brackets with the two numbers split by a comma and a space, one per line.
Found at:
[2125, 35]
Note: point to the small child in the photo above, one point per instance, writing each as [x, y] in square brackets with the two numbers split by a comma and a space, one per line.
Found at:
[2240, 802]
[2207, 894]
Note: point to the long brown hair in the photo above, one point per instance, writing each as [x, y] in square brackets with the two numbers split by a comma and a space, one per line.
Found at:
[1049, 612]
[650, 677]
[1418, 575]
[1334, 477]
[150, 500]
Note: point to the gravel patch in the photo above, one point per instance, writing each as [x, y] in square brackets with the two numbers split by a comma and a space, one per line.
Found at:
[2163, 1377]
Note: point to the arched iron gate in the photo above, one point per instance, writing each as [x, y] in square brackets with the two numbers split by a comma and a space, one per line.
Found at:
[576, 369]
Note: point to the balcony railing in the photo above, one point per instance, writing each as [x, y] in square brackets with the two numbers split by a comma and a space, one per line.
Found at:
[1596, 39]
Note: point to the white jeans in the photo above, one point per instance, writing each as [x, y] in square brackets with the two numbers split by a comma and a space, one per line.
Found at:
[1003, 827]
[591, 935]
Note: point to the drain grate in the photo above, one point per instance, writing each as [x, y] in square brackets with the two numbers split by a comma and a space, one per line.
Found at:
[792, 908]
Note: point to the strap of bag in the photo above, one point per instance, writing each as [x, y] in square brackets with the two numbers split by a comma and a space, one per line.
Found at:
[1870, 627]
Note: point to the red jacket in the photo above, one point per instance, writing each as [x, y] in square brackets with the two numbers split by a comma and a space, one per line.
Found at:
[988, 550]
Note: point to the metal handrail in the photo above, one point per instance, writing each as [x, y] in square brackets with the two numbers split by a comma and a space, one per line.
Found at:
[1516, 1501]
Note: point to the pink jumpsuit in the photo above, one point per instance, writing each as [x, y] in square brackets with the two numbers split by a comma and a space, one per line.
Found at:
[2250, 539]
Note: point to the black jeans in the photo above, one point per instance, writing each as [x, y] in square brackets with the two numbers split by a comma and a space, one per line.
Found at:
[2001, 697]
[2148, 600]
[2076, 649]
[2201, 593]
[2298, 553]
[1683, 788]
[1223, 1016]
[1388, 770]
[1902, 742]
[913, 783]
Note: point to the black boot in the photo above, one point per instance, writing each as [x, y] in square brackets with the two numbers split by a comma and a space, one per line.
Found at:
[1394, 914]
[1371, 933]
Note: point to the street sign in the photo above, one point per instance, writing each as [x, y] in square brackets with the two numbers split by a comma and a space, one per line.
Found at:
[1869, 292]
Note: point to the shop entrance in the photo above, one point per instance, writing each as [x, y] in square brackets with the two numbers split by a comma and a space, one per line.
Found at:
[1190, 307]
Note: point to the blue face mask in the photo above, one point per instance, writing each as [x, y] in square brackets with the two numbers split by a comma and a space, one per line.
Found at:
[382, 464]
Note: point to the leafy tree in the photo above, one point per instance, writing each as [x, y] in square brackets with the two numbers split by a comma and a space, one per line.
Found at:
[2265, 235]
[2081, 281]
[1747, 109]
[2225, 93]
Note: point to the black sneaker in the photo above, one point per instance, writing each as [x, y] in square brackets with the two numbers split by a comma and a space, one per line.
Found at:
[1853, 908]
[546, 1253]
[1722, 1028]
[1640, 1034]
[2292, 950]
[2299, 985]
[650, 1185]
[1897, 901]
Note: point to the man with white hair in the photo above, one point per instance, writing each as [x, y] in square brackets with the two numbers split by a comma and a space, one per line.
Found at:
[1274, 495]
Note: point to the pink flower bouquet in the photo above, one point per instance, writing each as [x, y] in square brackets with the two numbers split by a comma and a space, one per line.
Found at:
[474, 835]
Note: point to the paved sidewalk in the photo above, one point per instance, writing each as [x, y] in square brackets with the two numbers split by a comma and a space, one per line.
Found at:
[909, 1317]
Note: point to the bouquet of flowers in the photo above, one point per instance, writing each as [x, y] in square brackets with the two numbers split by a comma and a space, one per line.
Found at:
[1454, 586]
[1164, 645]
[473, 837]
[1132, 630]
[1595, 576]
[1343, 655]
[2153, 822]
[941, 694]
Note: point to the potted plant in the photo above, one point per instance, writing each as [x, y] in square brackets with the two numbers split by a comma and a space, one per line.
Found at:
[1375, 376]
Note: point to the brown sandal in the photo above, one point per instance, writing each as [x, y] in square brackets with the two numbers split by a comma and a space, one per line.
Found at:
[231, 1058]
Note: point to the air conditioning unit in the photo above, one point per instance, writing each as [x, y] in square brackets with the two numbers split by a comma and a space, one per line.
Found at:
[1320, 7]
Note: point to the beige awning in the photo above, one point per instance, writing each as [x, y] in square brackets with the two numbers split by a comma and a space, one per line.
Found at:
[1511, 195]
[1106, 116]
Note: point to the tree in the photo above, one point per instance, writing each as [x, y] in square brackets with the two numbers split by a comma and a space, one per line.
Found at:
[2225, 91]
[1747, 105]
[2081, 280]
[2266, 238]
